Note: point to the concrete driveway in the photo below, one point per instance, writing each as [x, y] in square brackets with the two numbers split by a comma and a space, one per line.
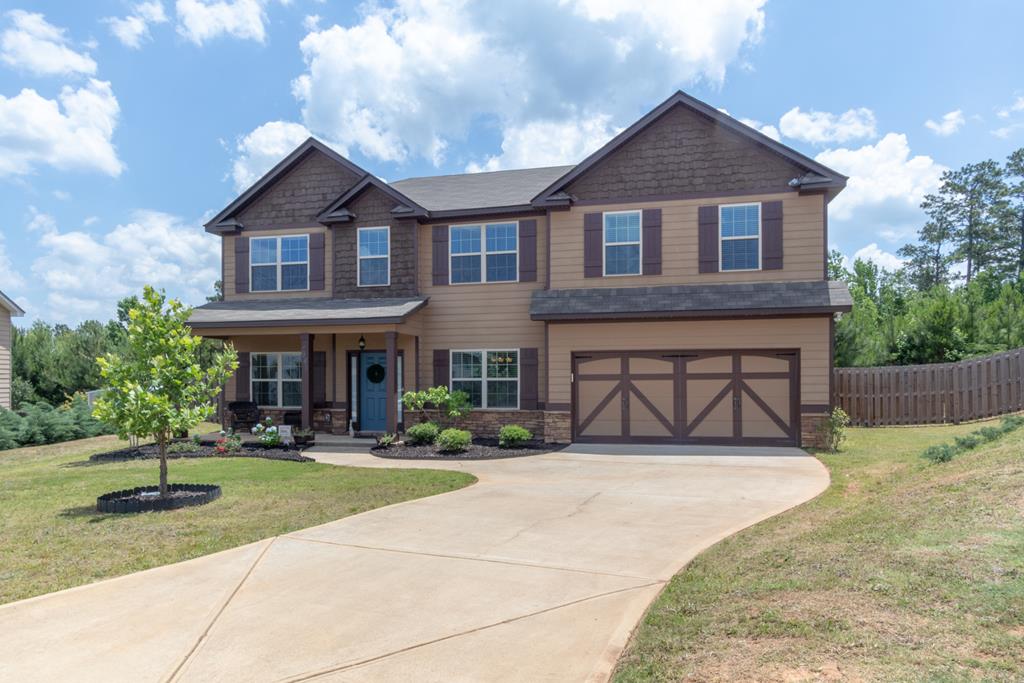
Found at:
[537, 573]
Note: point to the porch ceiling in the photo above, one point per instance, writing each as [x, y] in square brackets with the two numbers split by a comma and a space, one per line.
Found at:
[294, 312]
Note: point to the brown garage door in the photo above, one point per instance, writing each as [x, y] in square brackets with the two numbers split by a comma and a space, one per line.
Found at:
[748, 397]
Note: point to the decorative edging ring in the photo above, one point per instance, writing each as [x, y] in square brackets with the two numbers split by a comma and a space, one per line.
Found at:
[142, 498]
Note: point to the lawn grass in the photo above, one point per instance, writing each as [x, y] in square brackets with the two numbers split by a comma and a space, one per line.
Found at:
[901, 571]
[51, 537]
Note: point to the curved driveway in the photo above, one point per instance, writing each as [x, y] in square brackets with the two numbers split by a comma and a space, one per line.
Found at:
[537, 573]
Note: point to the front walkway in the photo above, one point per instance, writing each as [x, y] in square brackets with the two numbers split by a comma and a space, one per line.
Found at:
[538, 572]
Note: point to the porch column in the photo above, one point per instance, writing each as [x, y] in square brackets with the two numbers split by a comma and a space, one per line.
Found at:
[306, 347]
[391, 352]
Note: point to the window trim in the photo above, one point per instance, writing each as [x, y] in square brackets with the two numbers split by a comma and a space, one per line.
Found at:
[604, 244]
[483, 379]
[359, 258]
[760, 238]
[280, 378]
[278, 263]
[482, 253]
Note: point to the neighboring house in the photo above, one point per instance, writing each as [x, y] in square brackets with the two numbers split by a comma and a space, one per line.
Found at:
[672, 287]
[8, 309]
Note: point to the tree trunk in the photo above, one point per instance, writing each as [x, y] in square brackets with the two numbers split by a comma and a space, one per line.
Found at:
[1020, 250]
[162, 444]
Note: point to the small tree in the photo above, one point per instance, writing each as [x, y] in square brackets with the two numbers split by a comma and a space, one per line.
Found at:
[160, 384]
[437, 404]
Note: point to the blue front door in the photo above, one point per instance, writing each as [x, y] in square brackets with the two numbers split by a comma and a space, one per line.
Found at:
[373, 392]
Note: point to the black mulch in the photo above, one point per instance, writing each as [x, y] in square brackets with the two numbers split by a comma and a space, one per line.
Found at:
[150, 452]
[481, 449]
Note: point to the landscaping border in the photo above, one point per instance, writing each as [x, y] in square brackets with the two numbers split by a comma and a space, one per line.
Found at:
[131, 500]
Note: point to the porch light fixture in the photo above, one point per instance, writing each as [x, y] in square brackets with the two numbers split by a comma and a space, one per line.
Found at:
[362, 343]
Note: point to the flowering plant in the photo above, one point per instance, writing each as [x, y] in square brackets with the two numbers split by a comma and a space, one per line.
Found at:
[267, 434]
[229, 442]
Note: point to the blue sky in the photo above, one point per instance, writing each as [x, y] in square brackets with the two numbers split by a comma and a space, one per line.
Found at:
[123, 124]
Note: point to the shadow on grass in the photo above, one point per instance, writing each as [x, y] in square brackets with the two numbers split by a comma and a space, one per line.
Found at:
[84, 463]
[87, 512]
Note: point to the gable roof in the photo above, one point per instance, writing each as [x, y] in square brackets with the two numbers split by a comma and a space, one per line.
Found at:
[8, 303]
[488, 190]
[223, 221]
[337, 213]
[816, 175]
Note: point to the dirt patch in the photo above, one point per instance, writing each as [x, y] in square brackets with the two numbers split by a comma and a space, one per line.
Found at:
[151, 452]
[481, 449]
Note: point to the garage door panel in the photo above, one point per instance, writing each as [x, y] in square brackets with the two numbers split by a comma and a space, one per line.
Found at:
[640, 365]
[600, 366]
[717, 423]
[757, 423]
[757, 363]
[651, 408]
[710, 364]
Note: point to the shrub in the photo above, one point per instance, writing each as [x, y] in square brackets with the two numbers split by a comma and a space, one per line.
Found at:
[833, 430]
[513, 436]
[966, 442]
[454, 440]
[989, 433]
[385, 440]
[229, 442]
[943, 452]
[1012, 422]
[437, 404]
[267, 434]
[184, 447]
[422, 434]
[10, 429]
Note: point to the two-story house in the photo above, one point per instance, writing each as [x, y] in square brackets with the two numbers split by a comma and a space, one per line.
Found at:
[670, 288]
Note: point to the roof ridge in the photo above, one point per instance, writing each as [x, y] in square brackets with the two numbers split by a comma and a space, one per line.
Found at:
[481, 173]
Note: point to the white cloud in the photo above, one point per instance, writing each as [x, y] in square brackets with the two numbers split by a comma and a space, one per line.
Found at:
[819, 127]
[90, 220]
[200, 21]
[765, 128]
[311, 22]
[84, 274]
[262, 148]
[133, 29]
[548, 143]
[883, 259]
[40, 222]
[1016, 106]
[10, 278]
[33, 44]
[34, 130]
[1006, 131]
[882, 175]
[404, 81]
[948, 124]
[62, 195]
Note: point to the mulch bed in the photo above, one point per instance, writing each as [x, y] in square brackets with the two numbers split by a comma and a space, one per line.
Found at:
[481, 449]
[148, 499]
[150, 452]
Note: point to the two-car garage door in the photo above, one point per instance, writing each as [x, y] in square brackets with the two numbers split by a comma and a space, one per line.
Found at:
[747, 397]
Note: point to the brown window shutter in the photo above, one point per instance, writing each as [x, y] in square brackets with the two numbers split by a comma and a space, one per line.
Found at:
[242, 377]
[316, 261]
[441, 361]
[528, 379]
[241, 265]
[319, 378]
[528, 250]
[707, 239]
[652, 242]
[771, 233]
[593, 260]
[440, 254]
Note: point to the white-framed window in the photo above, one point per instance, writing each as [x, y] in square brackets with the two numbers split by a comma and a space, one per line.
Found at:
[739, 244]
[374, 257]
[278, 264]
[490, 377]
[483, 253]
[276, 379]
[622, 242]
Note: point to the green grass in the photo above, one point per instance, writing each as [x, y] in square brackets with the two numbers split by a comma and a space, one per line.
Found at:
[902, 570]
[51, 537]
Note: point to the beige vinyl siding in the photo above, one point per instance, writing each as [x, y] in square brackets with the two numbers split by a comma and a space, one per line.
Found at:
[228, 245]
[5, 359]
[810, 335]
[802, 229]
[479, 316]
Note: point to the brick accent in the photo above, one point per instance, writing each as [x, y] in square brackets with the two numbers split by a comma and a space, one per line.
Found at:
[300, 195]
[557, 427]
[809, 435]
[330, 420]
[373, 209]
[488, 423]
[684, 152]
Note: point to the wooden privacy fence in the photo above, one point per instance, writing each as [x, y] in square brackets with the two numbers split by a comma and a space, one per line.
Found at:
[927, 394]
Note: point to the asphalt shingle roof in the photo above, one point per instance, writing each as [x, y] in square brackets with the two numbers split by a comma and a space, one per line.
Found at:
[284, 312]
[742, 299]
[479, 190]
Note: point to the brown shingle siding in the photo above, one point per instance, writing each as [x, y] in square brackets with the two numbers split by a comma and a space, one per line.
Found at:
[373, 209]
[300, 195]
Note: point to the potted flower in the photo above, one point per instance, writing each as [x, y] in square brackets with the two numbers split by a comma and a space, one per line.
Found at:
[267, 434]
[304, 437]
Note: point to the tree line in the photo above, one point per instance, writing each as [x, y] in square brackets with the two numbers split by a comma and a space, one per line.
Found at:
[960, 292]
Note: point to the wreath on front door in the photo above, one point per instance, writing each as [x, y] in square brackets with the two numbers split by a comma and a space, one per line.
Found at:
[375, 373]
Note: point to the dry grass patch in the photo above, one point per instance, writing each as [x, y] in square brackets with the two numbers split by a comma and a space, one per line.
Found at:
[901, 570]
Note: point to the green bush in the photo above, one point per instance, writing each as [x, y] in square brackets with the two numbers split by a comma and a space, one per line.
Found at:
[943, 452]
[437, 404]
[422, 434]
[454, 440]
[966, 442]
[184, 447]
[513, 436]
[10, 429]
[385, 440]
[1012, 422]
[989, 433]
[39, 424]
[833, 430]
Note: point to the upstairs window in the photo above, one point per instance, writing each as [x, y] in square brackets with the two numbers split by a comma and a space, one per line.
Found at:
[740, 243]
[374, 257]
[622, 243]
[484, 253]
[279, 263]
[491, 378]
